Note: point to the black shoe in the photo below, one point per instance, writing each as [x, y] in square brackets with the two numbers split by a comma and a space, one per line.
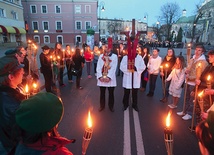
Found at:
[164, 100]
[135, 108]
[193, 128]
[125, 107]
[101, 109]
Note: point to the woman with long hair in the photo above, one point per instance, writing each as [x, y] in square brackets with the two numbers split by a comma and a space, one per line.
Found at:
[78, 66]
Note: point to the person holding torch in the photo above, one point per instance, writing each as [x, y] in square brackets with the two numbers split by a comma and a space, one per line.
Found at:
[203, 86]
[198, 61]
[167, 63]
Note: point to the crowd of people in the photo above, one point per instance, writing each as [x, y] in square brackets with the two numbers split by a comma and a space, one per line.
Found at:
[19, 129]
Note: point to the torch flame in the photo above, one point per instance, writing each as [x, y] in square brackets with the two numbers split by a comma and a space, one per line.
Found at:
[89, 120]
[26, 88]
[208, 78]
[189, 45]
[58, 57]
[51, 57]
[166, 65]
[199, 65]
[34, 85]
[200, 94]
[168, 119]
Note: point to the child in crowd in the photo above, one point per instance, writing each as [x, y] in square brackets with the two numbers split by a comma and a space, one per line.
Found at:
[177, 77]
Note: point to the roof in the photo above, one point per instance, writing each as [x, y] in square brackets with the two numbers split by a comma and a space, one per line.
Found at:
[185, 19]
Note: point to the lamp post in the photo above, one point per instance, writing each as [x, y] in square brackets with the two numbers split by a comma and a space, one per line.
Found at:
[100, 8]
[146, 17]
[157, 23]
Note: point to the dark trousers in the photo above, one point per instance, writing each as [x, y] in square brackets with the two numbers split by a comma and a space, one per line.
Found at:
[78, 79]
[110, 97]
[60, 75]
[88, 66]
[48, 80]
[126, 97]
[95, 67]
[152, 83]
[69, 66]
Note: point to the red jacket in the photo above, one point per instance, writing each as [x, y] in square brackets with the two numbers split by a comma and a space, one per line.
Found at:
[88, 55]
[47, 145]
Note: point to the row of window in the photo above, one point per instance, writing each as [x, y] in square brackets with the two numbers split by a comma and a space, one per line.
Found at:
[3, 13]
[58, 25]
[59, 39]
[58, 9]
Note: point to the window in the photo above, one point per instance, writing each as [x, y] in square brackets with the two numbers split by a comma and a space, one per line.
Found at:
[15, 16]
[77, 9]
[35, 25]
[59, 39]
[79, 39]
[44, 9]
[58, 25]
[33, 9]
[46, 39]
[87, 25]
[87, 9]
[2, 12]
[45, 26]
[57, 8]
[78, 25]
[37, 39]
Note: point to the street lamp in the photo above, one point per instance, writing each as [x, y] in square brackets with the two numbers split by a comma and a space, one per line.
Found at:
[157, 23]
[101, 8]
[146, 17]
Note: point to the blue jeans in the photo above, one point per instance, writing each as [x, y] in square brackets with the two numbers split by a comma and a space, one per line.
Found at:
[189, 100]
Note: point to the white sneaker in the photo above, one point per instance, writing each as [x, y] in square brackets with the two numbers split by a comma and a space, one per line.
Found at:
[172, 106]
[181, 113]
[186, 117]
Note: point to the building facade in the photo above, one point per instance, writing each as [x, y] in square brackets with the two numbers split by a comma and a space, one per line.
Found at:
[66, 21]
[12, 27]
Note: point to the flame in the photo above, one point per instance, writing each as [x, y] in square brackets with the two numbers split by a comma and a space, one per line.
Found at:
[89, 120]
[199, 65]
[200, 94]
[58, 57]
[161, 67]
[51, 57]
[34, 85]
[189, 45]
[208, 78]
[26, 88]
[168, 119]
[166, 65]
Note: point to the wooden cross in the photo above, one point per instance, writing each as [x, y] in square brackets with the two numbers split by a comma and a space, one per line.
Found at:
[132, 42]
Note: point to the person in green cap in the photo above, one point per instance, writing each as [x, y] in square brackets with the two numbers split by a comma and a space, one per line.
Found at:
[38, 118]
[11, 75]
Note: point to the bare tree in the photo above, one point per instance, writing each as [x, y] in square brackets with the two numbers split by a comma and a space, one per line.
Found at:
[170, 12]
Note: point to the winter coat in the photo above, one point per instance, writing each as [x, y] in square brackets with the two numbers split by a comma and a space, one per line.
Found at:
[193, 67]
[177, 77]
[10, 100]
[127, 76]
[88, 55]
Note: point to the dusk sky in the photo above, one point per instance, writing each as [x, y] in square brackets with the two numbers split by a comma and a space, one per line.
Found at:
[129, 9]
